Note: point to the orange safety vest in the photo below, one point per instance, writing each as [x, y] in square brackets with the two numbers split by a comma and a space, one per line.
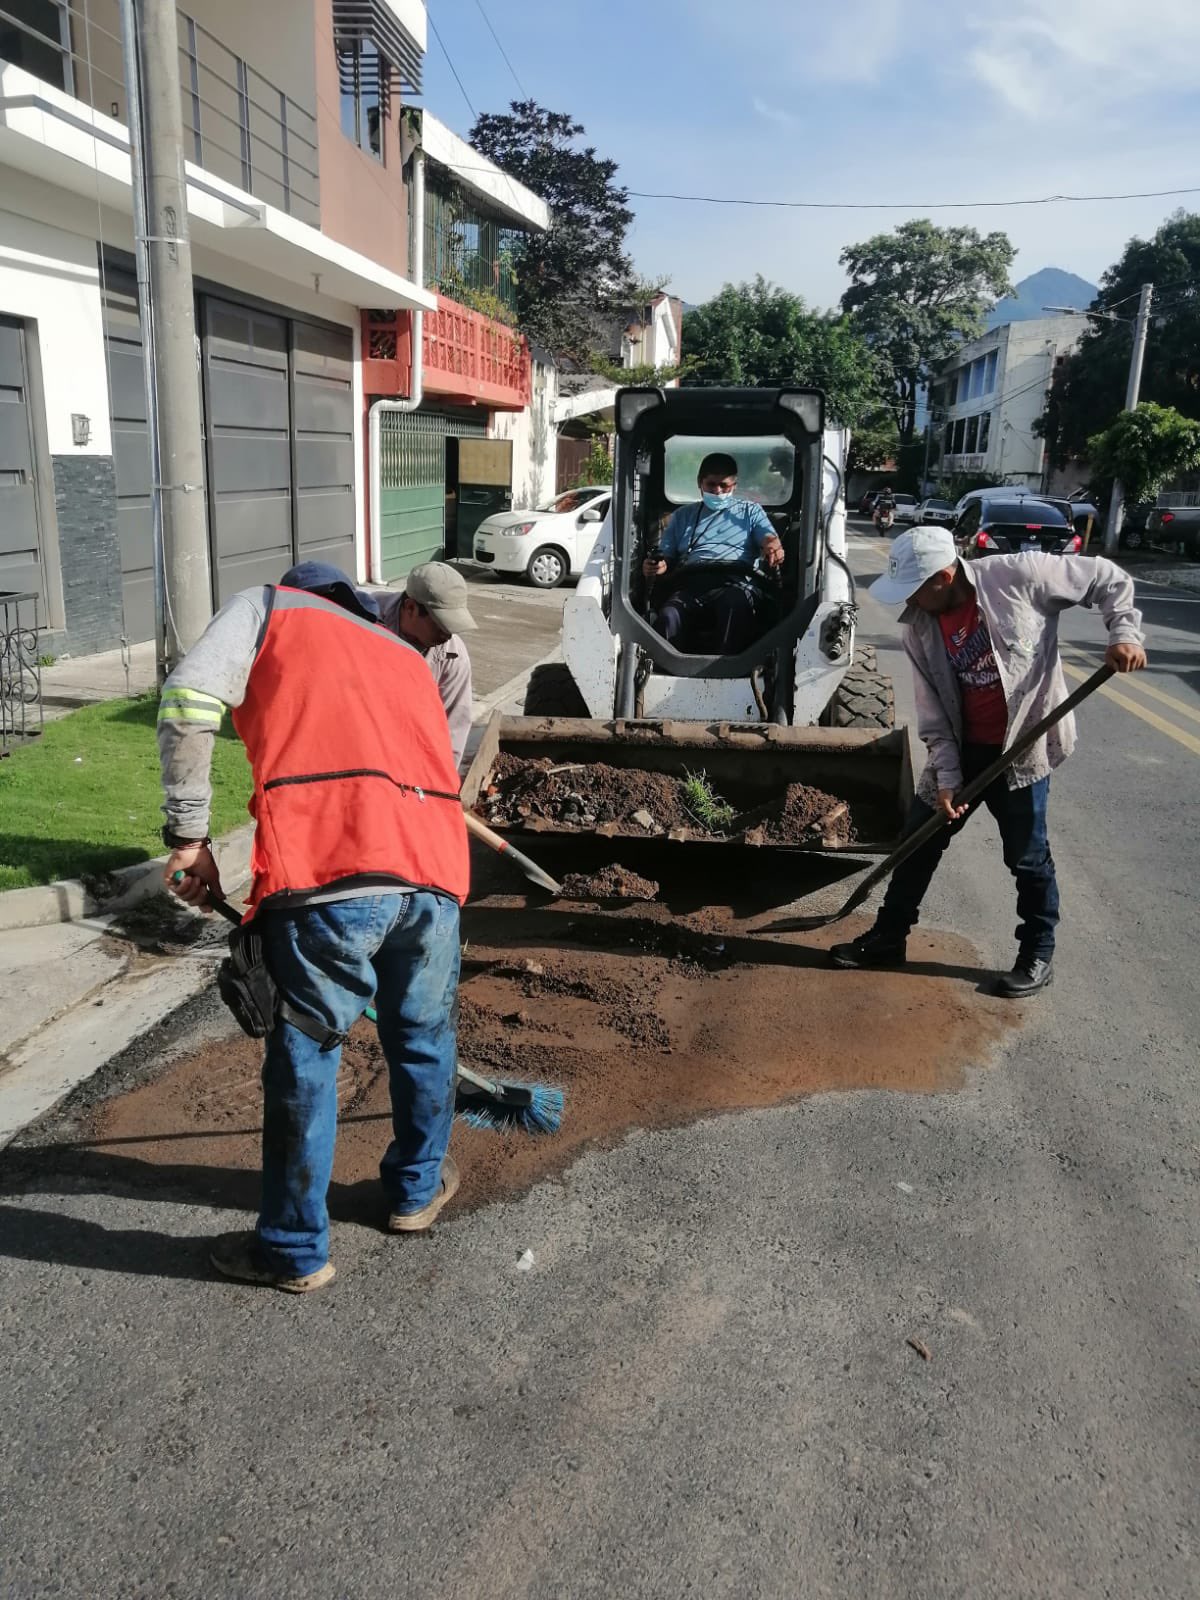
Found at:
[348, 741]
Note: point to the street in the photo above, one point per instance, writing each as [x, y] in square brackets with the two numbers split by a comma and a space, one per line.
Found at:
[935, 1336]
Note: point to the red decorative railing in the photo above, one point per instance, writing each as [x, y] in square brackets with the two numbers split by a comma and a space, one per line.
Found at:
[467, 356]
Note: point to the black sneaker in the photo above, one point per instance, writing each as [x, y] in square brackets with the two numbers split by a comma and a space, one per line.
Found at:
[872, 949]
[1029, 975]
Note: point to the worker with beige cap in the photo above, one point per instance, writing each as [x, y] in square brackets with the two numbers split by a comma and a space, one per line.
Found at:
[429, 614]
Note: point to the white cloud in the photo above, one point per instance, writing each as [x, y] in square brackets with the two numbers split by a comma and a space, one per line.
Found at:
[774, 114]
[1049, 58]
[808, 41]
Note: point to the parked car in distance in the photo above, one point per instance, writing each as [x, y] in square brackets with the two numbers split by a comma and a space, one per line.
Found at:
[940, 513]
[906, 507]
[866, 506]
[549, 544]
[1011, 527]
[1175, 525]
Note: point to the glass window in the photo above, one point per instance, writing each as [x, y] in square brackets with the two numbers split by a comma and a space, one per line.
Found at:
[985, 430]
[964, 384]
[949, 438]
[972, 435]
[766, 467]
[977, 378]
[989, 374]
[363, 84]
[959, 431]
[33, 35]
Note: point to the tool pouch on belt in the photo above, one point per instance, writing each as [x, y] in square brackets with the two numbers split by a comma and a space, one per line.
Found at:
[250, 992]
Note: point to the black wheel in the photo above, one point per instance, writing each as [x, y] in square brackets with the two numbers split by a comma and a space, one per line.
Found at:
[865, 697]
[553, 692]
[547, 567]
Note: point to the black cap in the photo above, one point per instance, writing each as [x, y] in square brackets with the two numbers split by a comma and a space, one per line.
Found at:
[323, 578]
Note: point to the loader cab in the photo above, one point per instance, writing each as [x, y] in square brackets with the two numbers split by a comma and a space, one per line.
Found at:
[775, 435]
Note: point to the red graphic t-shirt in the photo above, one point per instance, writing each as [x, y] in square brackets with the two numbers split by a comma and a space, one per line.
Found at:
[969, 646]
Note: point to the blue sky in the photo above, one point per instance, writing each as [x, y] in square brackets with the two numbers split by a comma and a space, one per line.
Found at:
[851, 100]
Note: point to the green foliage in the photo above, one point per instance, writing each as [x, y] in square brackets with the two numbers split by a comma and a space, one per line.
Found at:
[758, 334]
[596, 468]
[637, 377]
[1146, 448]
[47, 660]
[486, 301]
[567, 275]
[86, 797]
[1090, 390]
[916, 293]
[874, 443]
[705, 804]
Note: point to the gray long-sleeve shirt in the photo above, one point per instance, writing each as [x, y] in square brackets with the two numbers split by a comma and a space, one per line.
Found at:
[451, 668]
[1020, 597]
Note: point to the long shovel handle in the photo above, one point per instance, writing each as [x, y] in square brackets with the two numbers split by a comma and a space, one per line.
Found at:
[501, 846]
[971, 791]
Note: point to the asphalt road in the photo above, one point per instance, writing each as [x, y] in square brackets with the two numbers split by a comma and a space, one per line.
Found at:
[703, 1387]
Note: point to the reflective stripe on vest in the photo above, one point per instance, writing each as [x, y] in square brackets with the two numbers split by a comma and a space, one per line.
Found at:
[348, 740]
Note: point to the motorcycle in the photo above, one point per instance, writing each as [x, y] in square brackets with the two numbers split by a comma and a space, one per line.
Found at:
[884, 518]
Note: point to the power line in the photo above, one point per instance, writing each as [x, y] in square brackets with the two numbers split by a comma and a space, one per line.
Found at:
[488, 23]
[453, 69]
[896, 205]
[883, 205]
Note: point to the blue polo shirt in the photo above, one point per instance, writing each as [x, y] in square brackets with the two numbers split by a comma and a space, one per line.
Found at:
[698, 537]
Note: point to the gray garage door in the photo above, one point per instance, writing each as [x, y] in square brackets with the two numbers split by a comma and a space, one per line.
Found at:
[131, 454]
[20, 560]
[279, 415]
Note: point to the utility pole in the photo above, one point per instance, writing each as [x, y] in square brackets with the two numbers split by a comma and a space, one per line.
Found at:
[167, 310]
[1116, 506]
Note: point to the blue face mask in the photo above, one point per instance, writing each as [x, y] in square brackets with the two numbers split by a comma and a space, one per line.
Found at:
[716, 502]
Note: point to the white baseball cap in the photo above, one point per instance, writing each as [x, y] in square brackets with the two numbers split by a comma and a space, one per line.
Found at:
[914, 557]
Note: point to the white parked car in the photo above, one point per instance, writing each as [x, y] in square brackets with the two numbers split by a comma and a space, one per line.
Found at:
[906, 507]
[546, 545]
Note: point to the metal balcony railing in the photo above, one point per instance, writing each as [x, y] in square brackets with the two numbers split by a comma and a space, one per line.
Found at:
[20, 670]
[237, 124]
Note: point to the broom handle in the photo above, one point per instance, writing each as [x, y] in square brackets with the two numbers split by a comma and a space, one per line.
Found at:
[975, 788]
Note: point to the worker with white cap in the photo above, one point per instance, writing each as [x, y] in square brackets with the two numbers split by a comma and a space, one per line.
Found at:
[429, 614]
[982, 637]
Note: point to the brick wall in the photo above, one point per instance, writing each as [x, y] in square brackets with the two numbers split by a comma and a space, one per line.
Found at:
[85, 498]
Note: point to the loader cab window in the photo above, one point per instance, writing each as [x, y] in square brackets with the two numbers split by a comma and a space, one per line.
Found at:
[766, 468]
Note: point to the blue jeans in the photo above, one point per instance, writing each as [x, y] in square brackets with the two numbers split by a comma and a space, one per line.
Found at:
[328, 961]
[1021, 817]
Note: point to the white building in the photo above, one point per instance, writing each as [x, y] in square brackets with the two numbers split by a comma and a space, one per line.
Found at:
[987, 397]
[300, 172]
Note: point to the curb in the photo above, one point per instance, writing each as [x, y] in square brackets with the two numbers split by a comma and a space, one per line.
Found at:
[73, 900]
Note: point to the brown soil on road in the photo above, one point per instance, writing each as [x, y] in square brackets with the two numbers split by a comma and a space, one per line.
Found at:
[638, 1038]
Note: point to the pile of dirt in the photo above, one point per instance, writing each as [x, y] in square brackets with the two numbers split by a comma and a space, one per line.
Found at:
[804, 813]
[520, 791]
[584, 795]
[610, 883]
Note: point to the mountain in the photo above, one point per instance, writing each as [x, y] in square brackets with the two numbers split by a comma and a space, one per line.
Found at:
[1049, 287]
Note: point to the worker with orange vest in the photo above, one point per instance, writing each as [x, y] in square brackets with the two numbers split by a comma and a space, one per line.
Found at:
[359, 868]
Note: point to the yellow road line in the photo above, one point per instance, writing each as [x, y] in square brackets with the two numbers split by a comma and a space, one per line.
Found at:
[1137, 680]
[1187, 740]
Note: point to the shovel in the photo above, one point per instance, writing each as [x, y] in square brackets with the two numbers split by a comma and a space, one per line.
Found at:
[939, 820]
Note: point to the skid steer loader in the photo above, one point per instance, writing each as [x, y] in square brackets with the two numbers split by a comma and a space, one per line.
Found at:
[796, 704]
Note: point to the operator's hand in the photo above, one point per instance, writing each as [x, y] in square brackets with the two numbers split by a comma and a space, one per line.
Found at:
[1125, 657]
[945, 804]
[653, 569]
[772, 551]
[200, 875]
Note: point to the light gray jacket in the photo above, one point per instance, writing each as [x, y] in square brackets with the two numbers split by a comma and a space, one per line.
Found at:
[1020, 598]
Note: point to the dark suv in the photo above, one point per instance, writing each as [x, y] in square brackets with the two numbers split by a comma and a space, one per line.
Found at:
[1007, 527]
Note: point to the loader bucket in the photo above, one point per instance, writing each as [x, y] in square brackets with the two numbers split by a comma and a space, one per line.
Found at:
[750, 765]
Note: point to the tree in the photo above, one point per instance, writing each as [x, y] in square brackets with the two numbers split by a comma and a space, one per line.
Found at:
[756, 334]
[566, 276]
[1146, 448]
[916, 293]
[1090, 388]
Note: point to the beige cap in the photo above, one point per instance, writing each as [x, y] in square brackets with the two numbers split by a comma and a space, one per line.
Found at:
[442, 590]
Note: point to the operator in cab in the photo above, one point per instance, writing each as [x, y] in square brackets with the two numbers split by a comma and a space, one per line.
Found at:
[706, 559]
